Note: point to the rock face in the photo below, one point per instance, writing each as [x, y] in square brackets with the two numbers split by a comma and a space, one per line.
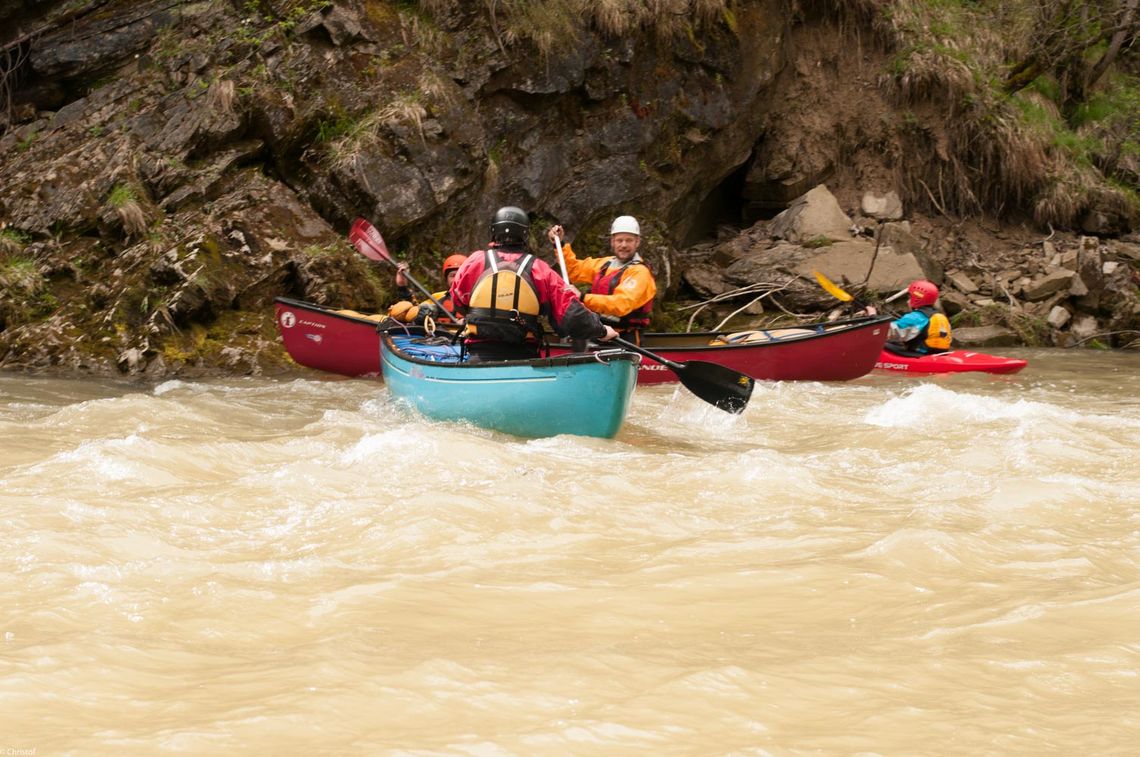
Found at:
[168, 167]
[814, 217]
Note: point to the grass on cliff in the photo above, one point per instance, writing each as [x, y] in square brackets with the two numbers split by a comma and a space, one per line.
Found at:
[19, 273]
[12, 242]
[984, 141]
[548, 24]
[346, 135]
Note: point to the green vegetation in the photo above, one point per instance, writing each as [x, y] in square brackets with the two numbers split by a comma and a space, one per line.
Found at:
[667, 317]
[264, 20]
[120, 195]
[1015, 106]
[989, 315]
[18, 272]
[348, 135]
[320, 251]
[552, 24]
[1032, 331]
[124, 200]
[12, 241]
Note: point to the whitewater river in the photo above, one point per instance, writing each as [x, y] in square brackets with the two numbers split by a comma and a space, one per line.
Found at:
[299, 566]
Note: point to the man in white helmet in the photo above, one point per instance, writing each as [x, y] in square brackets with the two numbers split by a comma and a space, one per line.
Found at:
[621, 285]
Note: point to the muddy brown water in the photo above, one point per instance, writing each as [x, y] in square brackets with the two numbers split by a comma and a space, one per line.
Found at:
[300, 566]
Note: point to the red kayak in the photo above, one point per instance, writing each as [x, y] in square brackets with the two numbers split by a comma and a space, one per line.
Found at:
[955, 361]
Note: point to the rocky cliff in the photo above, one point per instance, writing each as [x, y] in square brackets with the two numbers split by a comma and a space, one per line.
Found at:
[168, 167]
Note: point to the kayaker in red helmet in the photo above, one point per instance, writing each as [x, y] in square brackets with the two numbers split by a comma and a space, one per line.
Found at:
[409, 310]
[922, 331]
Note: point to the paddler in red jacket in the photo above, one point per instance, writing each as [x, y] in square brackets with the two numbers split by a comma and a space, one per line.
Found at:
[622, 287]
[505, 288]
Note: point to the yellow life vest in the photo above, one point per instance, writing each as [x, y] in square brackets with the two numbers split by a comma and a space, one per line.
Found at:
[938, 332]
[504, 305]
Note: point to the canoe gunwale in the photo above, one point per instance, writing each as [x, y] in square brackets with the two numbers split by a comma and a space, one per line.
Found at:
[657, 340]
[553, 361]
[325, 310]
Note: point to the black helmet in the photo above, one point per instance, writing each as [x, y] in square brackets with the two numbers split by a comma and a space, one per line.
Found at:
[509, 226]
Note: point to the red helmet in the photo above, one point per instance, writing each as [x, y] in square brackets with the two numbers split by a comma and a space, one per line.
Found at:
[453, 262]
[922, 293]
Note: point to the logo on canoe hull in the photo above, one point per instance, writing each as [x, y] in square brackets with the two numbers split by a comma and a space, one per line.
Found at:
[288, 320]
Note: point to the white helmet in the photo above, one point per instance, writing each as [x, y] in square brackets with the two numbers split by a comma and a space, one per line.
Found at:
[626, 225]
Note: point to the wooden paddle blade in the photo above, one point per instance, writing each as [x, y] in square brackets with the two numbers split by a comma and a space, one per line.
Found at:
[831, 288]
[716, 384]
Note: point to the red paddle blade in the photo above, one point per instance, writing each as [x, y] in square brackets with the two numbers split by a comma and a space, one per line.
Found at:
[367, 240]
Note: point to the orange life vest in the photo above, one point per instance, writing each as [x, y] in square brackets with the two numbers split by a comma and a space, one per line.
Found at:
[938, 336]
[606, 282]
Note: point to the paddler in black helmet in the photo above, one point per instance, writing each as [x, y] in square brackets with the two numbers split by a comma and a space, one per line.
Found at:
[504, 290]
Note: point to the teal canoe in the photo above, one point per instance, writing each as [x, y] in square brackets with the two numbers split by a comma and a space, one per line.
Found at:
[586, 394]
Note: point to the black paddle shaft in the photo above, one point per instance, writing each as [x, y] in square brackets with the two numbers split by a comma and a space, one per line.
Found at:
[378, 251]
[717, 385]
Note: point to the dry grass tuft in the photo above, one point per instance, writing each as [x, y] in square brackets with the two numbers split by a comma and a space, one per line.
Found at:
[1059, 202]
[422, 34]
[12, 243]
[20, 274]
[1076, 191]
[133, 218]
[220, 96]
[367, 132]
[550, 23]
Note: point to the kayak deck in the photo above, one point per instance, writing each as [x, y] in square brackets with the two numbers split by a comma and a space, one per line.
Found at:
[955, 361]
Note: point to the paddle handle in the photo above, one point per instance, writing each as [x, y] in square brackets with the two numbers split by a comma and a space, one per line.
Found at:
[566, 277]
[896, 295]
[892, 298]
[368, 242]
[561, 258]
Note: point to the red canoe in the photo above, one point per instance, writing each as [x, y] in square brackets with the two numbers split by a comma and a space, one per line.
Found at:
[955, 361]
[337, 341]
[827, 351]
[346, 342]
